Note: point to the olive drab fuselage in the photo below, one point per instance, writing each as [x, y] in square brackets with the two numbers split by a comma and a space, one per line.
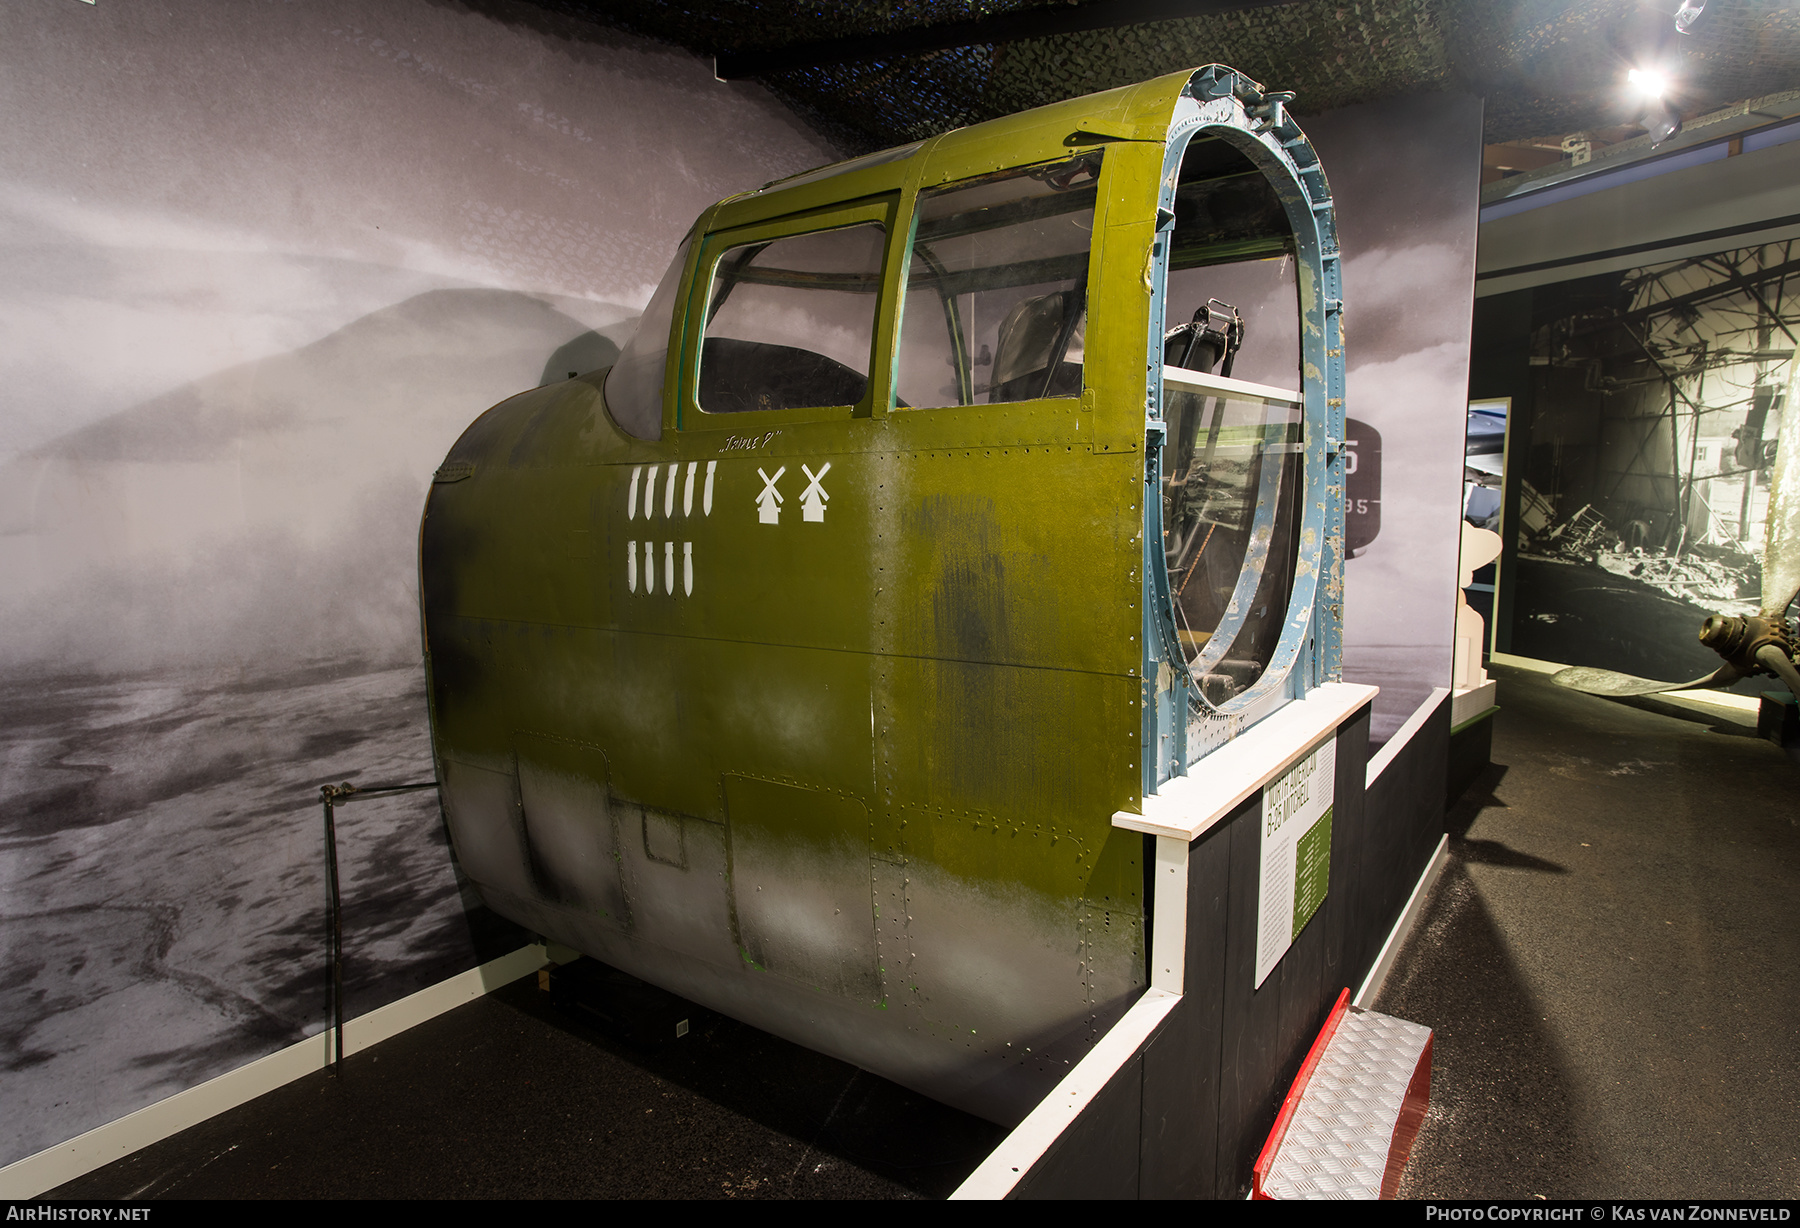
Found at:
[819, 716]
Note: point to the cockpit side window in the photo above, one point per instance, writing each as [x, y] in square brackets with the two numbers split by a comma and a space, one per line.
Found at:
[996, 293]
[634, 386]
[790, 322]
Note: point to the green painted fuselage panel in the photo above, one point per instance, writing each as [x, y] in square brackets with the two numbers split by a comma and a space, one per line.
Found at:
[844, 770]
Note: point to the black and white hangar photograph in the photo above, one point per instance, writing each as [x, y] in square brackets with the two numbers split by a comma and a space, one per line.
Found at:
[970, 599]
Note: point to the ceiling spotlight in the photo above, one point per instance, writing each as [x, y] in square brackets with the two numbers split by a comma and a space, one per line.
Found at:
[1662, 125]
[1649, 82]
[1658, 115]
[1689, 14]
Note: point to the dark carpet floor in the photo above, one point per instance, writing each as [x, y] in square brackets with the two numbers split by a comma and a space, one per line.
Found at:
[510, 1097]
[1610, 960]
[1609, 963]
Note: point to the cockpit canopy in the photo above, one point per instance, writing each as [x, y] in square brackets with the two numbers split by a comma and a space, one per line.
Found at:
[1166, 253]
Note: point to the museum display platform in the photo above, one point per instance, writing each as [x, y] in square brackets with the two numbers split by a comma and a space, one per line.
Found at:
[1606, 1019]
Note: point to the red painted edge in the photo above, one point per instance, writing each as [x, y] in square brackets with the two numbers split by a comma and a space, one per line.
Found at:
[1406, 1125]
[1266, 1160]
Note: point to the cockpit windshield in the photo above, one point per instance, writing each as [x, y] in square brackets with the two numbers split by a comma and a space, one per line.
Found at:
[996, 294]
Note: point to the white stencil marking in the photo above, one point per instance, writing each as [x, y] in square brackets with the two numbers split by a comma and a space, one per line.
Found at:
[687, 491]
[706, 500]
[631, 503]
[650, 493]
[669, 568]
[631, 561]
[669, 494]
[687, 569]
[768, 504]
[649, 568]
[812, 501]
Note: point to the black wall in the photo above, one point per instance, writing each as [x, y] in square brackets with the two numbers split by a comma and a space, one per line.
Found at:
[1499, 366]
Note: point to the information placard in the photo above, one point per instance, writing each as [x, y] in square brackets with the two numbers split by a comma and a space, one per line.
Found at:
[1296, 852]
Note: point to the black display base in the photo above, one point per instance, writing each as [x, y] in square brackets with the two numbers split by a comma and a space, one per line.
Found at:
[1186, 1115]
[1778, 719]
[619, 1005]
[1471, 750]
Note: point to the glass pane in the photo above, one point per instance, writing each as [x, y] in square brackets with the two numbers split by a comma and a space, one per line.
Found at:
[1232, 245]
[634, 386]
[1233, 469]
[791, 322]
[1265, 296]
[1231, 479]
[996, 294]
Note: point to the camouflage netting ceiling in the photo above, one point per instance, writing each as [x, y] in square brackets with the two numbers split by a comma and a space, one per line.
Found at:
[1546, 67]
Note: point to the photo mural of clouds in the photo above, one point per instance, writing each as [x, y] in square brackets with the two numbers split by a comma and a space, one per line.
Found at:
[106, 303]
[259, 266]
[1405, 174]
[269, 511]
[220, 161]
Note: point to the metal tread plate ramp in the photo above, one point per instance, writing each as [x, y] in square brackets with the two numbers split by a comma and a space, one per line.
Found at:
[1348, 1124]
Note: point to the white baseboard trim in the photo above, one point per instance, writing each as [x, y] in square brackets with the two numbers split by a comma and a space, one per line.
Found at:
[1409, 916]
[1011, 1161]
[51, 1167]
